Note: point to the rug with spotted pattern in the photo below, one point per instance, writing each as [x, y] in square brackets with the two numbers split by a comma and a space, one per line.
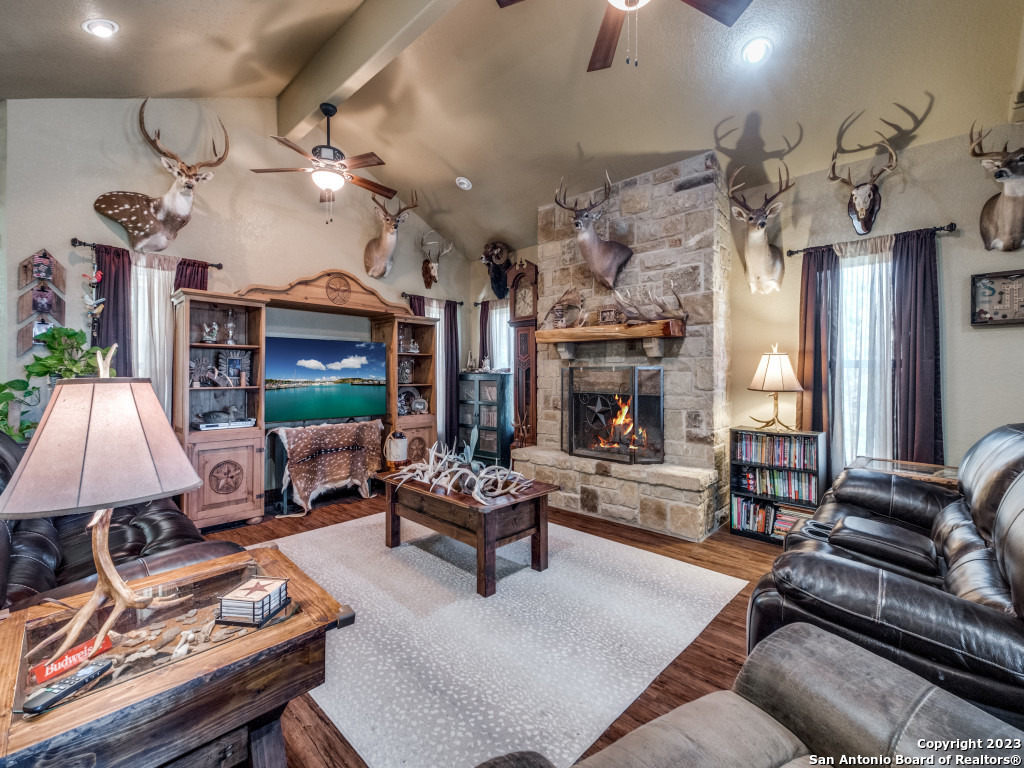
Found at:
[432, 675]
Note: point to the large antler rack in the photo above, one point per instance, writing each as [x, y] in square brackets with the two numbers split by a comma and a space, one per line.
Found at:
[875, 174]
[637, 312]
[741, 200]
[156, 144]
[976, 147]
[563, 203]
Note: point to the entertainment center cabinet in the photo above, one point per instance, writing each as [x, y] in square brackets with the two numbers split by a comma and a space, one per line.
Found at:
[217, 402]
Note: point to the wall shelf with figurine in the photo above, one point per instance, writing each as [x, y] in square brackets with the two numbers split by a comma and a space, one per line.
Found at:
[218, 402]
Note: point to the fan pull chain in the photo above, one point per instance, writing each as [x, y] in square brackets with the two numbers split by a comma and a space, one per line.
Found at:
[628, 14]
[636, 32]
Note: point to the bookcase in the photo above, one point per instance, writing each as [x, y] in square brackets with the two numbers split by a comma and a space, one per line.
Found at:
[485, 402]
[775, 479]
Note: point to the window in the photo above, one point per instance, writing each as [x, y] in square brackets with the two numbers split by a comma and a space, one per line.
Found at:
[499, 335]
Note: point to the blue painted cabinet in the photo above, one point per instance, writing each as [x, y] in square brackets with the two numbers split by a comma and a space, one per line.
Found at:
[485, 401]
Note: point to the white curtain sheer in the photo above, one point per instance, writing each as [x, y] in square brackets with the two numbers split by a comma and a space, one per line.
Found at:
[153, 321]
[864, 364]
[499, 335]
[435, 308]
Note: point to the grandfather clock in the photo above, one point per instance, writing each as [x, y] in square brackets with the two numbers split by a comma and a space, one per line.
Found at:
[522, 283]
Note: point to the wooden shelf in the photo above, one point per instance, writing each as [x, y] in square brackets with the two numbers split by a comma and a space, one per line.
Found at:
[221, 389]
[414, 354]
[659, 329]
[204, 345]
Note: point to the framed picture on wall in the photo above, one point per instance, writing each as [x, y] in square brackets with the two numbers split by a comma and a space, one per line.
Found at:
[997, 298]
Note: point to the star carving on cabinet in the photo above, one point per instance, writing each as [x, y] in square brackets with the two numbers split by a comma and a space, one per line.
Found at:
[226, 476]
[598, 416]
[256, 589]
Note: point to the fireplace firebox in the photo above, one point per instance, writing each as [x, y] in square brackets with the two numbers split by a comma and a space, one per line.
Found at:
[614, 413]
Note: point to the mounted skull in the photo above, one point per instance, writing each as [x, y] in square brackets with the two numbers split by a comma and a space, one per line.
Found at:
[433, 247]
[606, 258]
[1002, 217]
[865, 199]
[765, 266]
[497, 257]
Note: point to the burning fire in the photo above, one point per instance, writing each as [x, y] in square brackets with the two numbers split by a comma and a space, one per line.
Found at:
[621, 432]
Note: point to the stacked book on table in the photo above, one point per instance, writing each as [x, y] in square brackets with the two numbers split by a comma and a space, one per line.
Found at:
[255, 601]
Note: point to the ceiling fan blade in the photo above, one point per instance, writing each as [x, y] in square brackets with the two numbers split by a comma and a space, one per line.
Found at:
[607, 38]
[361, 161]
[507, 3]
[294, 146]
[373, 186]
[280, 170]
[725, 11]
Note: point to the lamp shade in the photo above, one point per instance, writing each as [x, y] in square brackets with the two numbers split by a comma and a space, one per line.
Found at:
[775, 373]
[101, 443]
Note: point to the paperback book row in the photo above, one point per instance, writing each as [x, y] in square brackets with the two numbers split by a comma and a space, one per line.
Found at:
[761, 517]
[781, 483]
[782, 450]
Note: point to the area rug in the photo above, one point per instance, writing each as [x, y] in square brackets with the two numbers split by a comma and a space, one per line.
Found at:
[434, 676]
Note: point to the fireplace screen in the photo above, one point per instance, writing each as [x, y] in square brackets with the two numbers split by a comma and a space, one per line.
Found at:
[613, 413]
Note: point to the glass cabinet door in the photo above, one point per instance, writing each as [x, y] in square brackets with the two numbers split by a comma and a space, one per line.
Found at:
[489, 416]
[467, 389]
[466, 413]
[488, 441]
[489, 390]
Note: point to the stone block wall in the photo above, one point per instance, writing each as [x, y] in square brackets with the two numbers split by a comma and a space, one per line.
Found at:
[676, 220]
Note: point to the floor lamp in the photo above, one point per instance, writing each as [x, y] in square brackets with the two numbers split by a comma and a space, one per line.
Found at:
[101, 443]
[774, 374]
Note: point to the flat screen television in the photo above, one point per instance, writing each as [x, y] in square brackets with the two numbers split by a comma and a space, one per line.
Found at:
[321, 379]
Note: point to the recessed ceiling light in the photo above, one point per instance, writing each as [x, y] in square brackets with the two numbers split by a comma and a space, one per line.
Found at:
[100, 27]
[757, 51]
[463, 183]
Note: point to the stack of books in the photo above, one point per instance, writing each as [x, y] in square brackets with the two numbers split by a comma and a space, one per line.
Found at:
[255, 601]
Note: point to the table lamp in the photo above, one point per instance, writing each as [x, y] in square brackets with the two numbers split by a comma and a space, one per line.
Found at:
[774, 374]
[101, 443]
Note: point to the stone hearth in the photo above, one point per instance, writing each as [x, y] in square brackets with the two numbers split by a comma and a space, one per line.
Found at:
[676, 220]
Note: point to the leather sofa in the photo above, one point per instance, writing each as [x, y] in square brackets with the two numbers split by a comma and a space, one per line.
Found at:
[52, 557]
[801, 693]
[930, 579]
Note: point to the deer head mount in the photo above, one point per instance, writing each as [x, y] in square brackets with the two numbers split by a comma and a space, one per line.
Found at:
[152, 223]
[1002, 217]
[497, 256]
[379, 254]
[605, 258]
[865, 199]
[765, 266]
[433, 247]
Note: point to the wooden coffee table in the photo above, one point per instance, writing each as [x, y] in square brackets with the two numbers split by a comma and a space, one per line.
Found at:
[220, 707]
[463, 518]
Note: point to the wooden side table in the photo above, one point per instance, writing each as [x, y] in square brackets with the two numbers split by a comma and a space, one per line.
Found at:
[930, 473]
[220, 707]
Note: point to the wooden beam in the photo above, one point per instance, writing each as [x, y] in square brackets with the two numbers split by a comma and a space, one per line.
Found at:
[370, 40]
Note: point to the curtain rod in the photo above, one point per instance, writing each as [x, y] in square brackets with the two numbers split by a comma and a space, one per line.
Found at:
[951, 227]
[409, 296]
[75, 242]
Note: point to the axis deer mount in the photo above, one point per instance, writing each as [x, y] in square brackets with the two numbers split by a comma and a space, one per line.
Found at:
[764, 262]
[152, 223]
[605, 258]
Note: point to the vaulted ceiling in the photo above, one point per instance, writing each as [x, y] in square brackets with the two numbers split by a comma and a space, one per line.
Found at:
[441, 88]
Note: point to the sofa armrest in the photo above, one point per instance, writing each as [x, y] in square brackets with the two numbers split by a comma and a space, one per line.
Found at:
[909, 501]
[839, 698]
[905, 614]
[887, 543]
[141, 567]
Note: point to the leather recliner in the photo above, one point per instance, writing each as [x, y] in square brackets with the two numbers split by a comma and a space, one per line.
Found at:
[964, 633]
[52, 557]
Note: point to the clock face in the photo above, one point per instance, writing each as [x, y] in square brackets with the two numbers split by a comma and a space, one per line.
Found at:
[524, 301]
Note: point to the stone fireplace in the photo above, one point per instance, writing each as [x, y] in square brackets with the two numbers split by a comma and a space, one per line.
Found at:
[676, 220]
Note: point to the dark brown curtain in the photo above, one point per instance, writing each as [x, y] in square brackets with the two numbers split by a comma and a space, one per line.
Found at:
[191, 274]
[115, 324]
[917, 394]
[819, 339]
[417, 305]
[451, 372]
[485, 339]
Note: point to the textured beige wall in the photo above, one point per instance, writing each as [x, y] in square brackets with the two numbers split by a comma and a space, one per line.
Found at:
[982, 368]
[265, 228]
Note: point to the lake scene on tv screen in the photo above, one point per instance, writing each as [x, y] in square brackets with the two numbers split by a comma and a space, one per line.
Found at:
[320, 379]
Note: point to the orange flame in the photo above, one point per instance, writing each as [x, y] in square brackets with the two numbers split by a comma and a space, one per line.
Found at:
[620, 430]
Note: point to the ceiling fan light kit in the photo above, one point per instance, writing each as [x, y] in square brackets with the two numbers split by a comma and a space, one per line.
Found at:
[326, 179]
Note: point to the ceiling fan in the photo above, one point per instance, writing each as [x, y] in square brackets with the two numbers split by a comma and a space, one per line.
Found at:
[331, 169]
[725, 11]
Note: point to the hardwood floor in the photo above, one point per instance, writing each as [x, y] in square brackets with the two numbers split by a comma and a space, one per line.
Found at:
[709, 663]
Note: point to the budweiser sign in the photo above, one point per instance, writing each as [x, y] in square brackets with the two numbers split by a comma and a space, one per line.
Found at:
[69, 660]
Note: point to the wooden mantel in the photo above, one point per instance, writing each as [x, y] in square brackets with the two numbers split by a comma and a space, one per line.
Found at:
[652, 334]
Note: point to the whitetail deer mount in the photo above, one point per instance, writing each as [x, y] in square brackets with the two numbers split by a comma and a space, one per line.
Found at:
[865, 199]
[379, 254]
[433, 247]
[765, 266]
[605, 258]
[1002, 217]
[152, 223]
[497, 256]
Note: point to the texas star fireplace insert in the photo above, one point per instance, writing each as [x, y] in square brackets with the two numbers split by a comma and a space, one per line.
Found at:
[614, 413]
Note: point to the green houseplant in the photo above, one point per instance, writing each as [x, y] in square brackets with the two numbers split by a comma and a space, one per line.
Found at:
[68, 357]
[17, 391]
